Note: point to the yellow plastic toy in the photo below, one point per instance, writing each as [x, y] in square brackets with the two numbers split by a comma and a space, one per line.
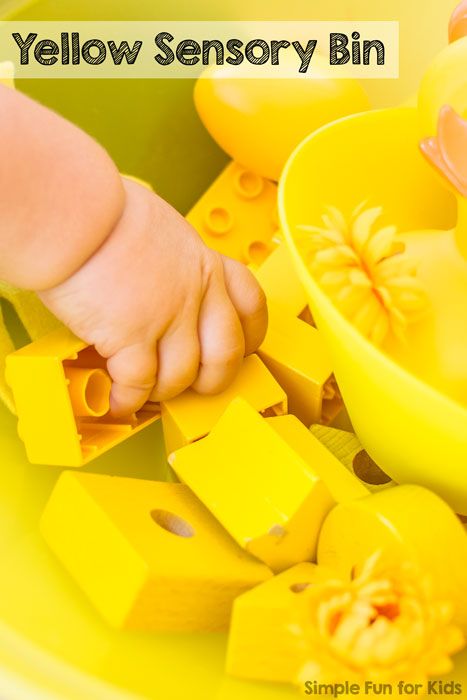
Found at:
[268, 481]
[262, 644]
[404, 523]
[190, 416]
[237, 215]
[413, 431]
[280, 282]
[296, 354]
[259, 122]
[407, 405]
[147, 554]
[348, 450]
[61, 391]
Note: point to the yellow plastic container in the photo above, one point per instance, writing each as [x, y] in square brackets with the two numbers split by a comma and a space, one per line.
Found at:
[52, 643]
[412, 431]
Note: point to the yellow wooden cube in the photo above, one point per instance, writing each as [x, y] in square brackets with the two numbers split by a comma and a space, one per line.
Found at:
[147, 554]
[262, 644]
[404, 522]
[268, 481]
[190, 416]
[237, 215]
[295, 353]
[349, 450]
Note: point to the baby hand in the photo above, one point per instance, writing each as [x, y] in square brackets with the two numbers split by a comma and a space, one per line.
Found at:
[166, 311]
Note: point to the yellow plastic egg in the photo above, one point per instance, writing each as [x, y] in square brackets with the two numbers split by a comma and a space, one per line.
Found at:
[259, 122]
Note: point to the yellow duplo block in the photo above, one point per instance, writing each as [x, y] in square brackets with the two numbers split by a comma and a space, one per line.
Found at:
[61, 391]
[147, 554]
[295, 353]
[349, 450]
[280, 282]
[264, 480]
[404, 522]
[262, 644]
[237, 215]
[190, 416]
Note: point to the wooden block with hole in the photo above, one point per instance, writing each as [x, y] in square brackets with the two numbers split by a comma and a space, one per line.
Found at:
[268, 481]
[348, 449]
[262, 644]
[190, 416]
[237, 215]
[295, 353]
[148, 554]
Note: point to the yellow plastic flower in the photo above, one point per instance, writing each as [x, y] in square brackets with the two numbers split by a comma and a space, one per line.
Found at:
[366, 272]
[383, 626]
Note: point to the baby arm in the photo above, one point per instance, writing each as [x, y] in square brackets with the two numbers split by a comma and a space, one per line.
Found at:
[119, 266]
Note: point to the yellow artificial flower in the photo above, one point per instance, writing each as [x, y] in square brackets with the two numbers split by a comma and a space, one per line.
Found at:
[366, 272]
[383, 626]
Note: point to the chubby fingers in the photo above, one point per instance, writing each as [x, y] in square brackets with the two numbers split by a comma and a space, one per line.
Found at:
[249, 301]
[133, 372]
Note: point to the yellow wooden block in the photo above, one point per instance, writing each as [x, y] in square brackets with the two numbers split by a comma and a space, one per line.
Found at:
[237, 215]
[295, 353]
[268, 481]
[404, 522]
[349, 450]
[280, 282]
[147, 554]
[61, 391]
[262, 644]
[190, 416]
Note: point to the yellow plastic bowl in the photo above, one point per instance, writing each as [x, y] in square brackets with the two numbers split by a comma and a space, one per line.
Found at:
[414, 432]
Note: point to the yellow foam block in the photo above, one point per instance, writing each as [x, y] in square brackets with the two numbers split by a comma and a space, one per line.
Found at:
[295, 353]
[262, 644]
[404, 522]
[147, 554]
[268, 481]
[237, 215]
[190, 416]
[349, 450]
[61, 391]
[280, 282]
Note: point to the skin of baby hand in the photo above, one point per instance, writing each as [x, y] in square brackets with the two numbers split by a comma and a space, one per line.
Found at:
[166, 311]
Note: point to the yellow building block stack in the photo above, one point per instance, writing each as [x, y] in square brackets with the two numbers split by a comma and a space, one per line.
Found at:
[61, 391]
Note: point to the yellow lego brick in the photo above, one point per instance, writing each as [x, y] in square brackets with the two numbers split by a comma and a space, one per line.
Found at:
[61, 391]
[403, 523]
[262, 644]
[349, 450]
[190, 416]
[280, 282]
[295, 353]
[237, 215]
[268, 481]
[147, 554]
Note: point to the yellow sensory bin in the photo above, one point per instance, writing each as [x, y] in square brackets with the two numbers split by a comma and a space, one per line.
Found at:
[326, 555]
